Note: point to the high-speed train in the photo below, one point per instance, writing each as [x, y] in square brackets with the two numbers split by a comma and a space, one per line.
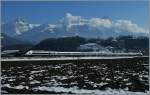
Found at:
[77, 54]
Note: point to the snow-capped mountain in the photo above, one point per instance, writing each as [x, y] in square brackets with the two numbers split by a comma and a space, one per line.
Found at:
[72, 26]
[16, 27]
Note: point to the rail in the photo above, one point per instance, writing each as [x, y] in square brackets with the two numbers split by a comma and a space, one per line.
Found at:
[62, 58]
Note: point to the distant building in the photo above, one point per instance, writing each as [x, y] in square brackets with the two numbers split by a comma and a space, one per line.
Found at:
[116, 50]
[89, 47]
[92, 47]
[110, 48]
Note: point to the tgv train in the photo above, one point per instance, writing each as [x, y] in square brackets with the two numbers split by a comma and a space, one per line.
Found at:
[77, 54]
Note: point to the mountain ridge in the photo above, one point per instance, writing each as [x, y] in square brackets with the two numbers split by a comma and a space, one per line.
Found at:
[72, 26]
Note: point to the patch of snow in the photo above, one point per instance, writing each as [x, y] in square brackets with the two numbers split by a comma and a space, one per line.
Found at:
[15, 87]
[21, 87]
[89, 92]
[34, 82]
[33, 72]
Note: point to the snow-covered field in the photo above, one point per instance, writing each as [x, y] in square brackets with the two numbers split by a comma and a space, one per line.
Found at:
[78, 91]
[98, 78]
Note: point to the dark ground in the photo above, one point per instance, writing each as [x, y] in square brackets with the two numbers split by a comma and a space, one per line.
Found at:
[114, 74]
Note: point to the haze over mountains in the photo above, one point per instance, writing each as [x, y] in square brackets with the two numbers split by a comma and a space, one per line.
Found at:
[71, 26]
[8, 42]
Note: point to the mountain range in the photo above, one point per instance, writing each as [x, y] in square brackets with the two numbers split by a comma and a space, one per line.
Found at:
[69, 26]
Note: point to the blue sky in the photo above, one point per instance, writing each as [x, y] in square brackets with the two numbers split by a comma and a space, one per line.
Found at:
[52, 12]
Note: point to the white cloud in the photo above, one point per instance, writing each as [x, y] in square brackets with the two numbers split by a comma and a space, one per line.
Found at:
[126, 25]
[70, 21]
[103, 24]
[98, 22]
